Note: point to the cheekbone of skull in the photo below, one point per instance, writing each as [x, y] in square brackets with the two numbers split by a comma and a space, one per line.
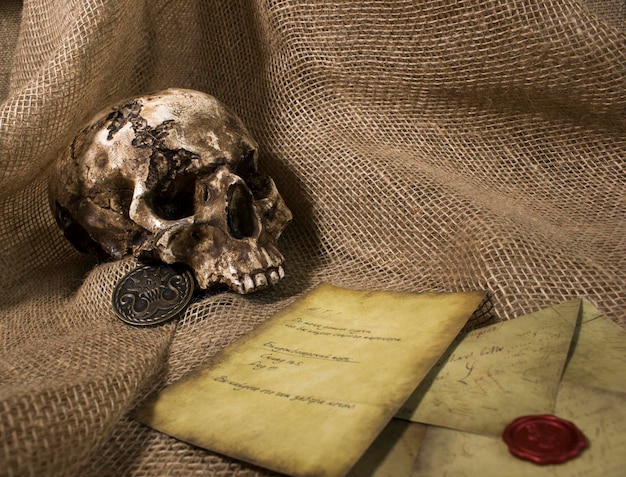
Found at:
[173, 176]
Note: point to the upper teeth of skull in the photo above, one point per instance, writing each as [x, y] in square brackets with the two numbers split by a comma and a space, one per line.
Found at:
[248, 283]
[260, 280]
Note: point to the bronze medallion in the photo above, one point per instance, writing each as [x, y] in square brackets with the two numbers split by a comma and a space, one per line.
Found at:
[153, 294]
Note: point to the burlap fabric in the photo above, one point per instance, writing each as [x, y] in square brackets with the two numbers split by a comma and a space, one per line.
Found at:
[421, 145]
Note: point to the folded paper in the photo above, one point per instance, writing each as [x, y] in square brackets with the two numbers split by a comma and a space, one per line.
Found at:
[308, 391]
[591, 394]
[599, 352]
[497, 373]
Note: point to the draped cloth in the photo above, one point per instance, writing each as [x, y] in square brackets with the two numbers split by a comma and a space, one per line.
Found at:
[421, 145]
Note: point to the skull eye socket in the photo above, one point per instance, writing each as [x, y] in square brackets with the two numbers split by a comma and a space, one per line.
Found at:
[261, 186]
[247, 167]
[240, 212]
[173, 200]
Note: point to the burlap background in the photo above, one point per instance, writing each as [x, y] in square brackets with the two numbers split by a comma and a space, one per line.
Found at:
[422, 145]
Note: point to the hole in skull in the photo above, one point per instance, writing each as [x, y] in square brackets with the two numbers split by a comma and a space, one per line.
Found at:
[173, 199]
[240, 212]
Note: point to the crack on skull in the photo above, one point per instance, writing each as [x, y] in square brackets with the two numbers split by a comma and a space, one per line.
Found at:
[147, 136]
[121, 115]
[165, 164]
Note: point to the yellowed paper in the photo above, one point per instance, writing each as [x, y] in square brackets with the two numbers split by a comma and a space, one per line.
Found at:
[307, 392]
[498, 373]
[599, 353]
[394, 451]
[591, 395]
[600, 415]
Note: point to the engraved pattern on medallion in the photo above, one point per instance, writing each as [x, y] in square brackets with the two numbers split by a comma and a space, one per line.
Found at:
[152, 294]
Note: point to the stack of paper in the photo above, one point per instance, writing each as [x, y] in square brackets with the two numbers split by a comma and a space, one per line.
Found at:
[308, 392]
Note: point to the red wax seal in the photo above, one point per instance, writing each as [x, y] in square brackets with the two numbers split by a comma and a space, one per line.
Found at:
[544, 439]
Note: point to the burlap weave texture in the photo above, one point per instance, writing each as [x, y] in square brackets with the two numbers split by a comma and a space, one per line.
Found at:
[421, 145]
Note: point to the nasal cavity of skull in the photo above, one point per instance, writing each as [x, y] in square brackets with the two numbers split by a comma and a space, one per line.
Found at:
[240, 215]
[174, 199]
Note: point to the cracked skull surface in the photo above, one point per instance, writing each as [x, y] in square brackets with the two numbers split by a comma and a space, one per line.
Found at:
[173, 176]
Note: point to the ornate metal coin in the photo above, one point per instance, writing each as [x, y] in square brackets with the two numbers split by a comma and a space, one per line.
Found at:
[153, 294]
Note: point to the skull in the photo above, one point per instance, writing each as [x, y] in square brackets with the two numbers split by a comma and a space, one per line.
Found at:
[173, 176]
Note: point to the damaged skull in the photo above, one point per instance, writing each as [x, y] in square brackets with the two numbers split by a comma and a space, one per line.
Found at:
[173, 176]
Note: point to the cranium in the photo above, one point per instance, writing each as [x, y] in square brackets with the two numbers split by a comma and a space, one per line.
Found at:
[173, 176]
